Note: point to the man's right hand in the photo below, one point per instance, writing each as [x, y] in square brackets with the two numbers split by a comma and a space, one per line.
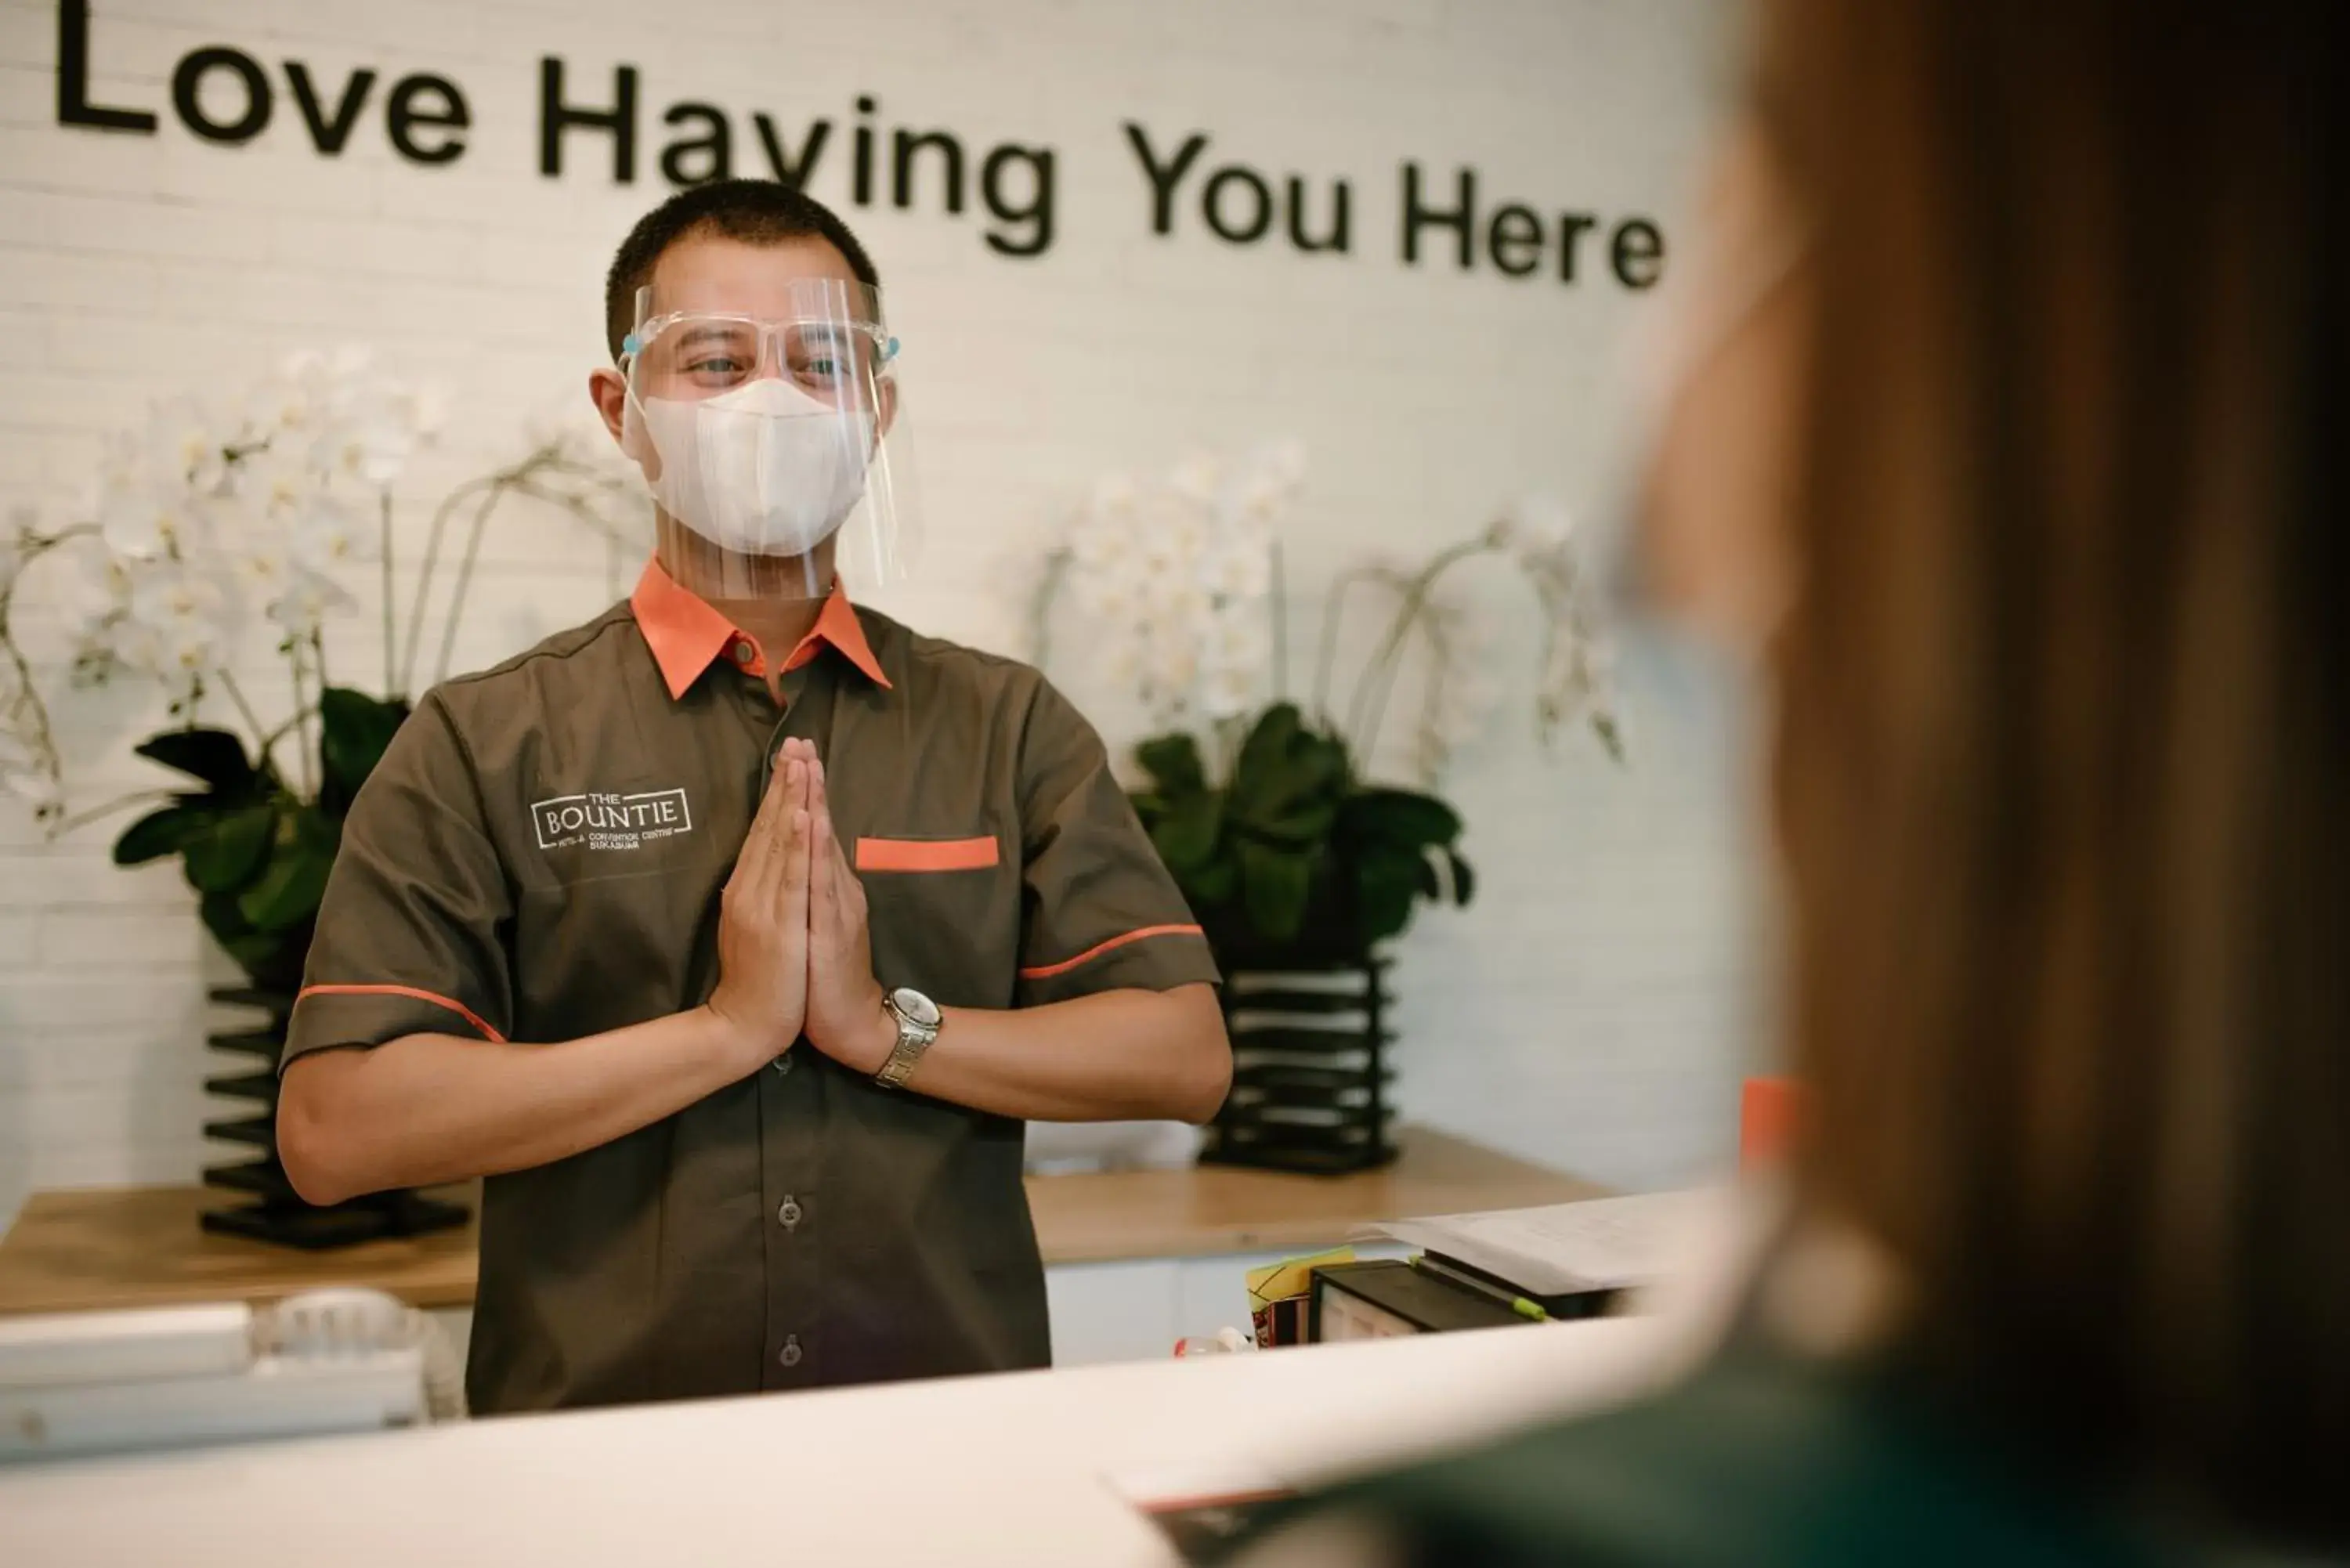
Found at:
[762, 920]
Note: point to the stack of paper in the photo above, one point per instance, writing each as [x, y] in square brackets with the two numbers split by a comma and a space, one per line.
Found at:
[1566, 1248]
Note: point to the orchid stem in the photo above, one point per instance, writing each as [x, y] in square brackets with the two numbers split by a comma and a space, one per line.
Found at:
[1280, 586]
[429, 563]
[263, 737]
[465, 574]
[390, 666]
[96, 812]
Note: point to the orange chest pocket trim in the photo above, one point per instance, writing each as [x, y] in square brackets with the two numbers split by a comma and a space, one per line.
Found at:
[926, 854]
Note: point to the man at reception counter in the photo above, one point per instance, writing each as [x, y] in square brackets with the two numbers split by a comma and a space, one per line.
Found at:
[732, 936]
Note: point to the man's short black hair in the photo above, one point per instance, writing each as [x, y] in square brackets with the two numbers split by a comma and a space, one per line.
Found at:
[757, 212]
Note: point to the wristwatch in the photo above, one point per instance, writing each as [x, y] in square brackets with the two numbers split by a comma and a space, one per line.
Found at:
[918, 1021]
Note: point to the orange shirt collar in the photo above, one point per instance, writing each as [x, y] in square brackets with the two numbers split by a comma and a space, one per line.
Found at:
[686, 634]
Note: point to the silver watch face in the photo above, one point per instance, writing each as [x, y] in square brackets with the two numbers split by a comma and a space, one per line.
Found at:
[919, 1009]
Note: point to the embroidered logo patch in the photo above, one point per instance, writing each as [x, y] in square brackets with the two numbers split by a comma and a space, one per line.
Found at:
[610, 821]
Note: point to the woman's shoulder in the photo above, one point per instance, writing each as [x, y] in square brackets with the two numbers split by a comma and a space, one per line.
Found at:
[1758, 1461]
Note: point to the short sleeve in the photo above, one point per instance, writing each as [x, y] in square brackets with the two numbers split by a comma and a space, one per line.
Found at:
[410, 936]
[1100, 910]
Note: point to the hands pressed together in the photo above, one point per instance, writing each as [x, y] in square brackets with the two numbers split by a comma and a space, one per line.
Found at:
[794, 952]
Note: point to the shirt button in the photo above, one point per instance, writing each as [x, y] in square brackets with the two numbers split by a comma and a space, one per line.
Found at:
[744, 651]
[790, 1355]
[788, 1216]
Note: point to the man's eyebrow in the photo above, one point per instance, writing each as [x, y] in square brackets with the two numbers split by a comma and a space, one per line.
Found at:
[706, 331]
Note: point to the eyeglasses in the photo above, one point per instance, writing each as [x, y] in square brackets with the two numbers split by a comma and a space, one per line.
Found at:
[696, 354]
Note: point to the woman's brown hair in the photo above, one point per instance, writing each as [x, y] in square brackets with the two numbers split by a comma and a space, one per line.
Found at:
[2065, 739]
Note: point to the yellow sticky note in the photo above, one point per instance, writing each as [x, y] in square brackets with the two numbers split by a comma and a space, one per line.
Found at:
[1279, 1281]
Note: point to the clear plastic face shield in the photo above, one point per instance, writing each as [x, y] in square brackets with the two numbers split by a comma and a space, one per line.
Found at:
[771, 433]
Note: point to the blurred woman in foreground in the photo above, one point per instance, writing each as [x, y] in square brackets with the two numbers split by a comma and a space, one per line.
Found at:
[2008, 442]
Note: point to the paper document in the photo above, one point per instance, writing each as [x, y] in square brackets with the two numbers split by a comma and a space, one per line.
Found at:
[1599, 1244]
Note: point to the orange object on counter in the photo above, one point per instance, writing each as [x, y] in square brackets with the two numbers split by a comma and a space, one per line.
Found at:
[1768, 1110]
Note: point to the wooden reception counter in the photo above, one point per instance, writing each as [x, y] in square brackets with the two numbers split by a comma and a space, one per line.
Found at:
[131, 1247]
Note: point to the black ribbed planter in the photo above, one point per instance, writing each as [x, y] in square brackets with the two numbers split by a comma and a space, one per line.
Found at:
[1310, 1074]
[272, 1210]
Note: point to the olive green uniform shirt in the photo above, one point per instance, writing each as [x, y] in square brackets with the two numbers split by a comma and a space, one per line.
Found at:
[539, 856]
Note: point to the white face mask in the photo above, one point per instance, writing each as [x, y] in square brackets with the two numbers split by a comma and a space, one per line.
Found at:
[764, 470]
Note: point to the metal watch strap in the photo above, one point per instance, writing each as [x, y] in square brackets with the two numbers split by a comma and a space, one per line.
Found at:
[913, 1040]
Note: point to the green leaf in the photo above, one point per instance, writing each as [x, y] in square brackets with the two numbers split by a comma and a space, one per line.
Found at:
[160, 833]
[353, 731]
[1386, 881]
[1274, 885]
[1464, 881]
[1402, 817]
[1302, 826]
[223, 855]
[215, 756]
[1212, 884]
[1187, 830]
[258, 954]
[1173, 763]
[224, 920]
[1270, 739]
[288, 890]
[1288, 781]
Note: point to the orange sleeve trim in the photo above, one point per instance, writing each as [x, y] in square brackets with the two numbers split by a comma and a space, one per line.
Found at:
[459, 1008]
[926, 854]
[1046, 972]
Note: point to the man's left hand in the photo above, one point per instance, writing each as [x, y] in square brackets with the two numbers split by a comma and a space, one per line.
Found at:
[845, 1020]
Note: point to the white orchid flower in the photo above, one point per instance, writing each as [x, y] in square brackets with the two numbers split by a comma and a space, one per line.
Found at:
[351, 363]
[1178, 603]
[147, 522]
[425, 408]
[368, 442]
[191, 655]
[303, 367]
[284, 405]
[1105, 595]
[1533, 524]
[1124, 663]
[265, 568]
[1100, 543]
[1113, 500]
[275, 483]
[1229, 693]
[1283, 461]
[1238, 639]
[1173, 540]
[175, 601]
[307, 603]
[92, 587]
[1257, 501]
[1199, 479]
[177, 655]
[1238, 568]
[326, 534]
[184, 444]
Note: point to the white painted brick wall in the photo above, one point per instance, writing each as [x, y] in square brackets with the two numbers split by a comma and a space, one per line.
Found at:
[1591, 1009]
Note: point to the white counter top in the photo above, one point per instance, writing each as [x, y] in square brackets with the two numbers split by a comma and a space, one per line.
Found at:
[1009, 1470]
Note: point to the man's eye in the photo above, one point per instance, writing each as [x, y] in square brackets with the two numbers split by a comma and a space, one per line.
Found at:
[715, 364]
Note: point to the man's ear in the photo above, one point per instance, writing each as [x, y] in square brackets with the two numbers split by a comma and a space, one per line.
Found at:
[610, 393]
[888, 390]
